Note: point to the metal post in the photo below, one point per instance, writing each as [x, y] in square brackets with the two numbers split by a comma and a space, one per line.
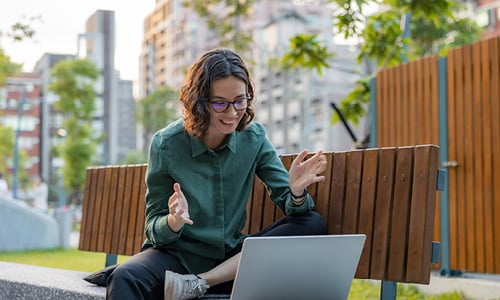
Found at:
[373, 112]
[15, 167]
[443, 145]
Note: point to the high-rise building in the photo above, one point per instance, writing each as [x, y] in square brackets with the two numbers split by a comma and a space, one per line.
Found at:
[98, 45]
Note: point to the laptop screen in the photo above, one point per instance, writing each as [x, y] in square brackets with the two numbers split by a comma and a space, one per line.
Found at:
[297, 267]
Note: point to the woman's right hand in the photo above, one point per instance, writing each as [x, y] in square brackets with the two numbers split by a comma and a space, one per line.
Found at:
[178, 210]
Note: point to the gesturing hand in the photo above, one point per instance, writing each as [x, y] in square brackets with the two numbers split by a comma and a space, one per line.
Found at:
[303, 173]
[178, 209]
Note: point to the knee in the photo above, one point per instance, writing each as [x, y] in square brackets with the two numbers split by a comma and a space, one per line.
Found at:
[317, 223]
[314, 223]
[122, 273]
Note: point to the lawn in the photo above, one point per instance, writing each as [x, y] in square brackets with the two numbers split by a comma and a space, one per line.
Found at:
[73, 259]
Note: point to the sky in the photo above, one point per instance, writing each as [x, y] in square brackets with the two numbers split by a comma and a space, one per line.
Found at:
[62, 21]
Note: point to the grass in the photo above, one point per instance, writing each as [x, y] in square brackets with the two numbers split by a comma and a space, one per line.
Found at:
[73, 259]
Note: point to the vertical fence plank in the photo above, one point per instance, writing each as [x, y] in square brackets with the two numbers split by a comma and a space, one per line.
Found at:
[495, 112]
[468, 136]
[477, 103]
[452, 155]
[487, 171]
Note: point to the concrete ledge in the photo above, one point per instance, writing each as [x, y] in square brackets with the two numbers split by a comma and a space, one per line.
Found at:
[19, 281]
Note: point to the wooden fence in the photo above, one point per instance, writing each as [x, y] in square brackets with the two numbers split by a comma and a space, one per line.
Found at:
[462, 117]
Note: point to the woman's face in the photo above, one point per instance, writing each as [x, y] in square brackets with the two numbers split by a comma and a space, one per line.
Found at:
[230, 89]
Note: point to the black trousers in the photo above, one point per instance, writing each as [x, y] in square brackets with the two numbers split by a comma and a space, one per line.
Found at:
[142, 276]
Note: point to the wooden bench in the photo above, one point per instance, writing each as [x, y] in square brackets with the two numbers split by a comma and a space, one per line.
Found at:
[386, 193]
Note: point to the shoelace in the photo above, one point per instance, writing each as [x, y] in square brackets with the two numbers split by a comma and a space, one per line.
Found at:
[195, 287]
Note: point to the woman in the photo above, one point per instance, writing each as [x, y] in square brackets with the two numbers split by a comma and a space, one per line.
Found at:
[200, 173]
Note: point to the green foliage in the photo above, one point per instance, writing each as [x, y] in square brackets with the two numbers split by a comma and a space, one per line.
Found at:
[157, 110]
[433, 29]
[225, 26]
[6, 146]
[73, 81]
[307, 52]
[135, 157]
[349, 17]
[382, 39]
[7, 67]
[355, 103]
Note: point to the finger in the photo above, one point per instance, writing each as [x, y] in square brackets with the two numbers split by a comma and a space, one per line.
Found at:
[177, 188]
[300, 157]
[319, 178]
[188, 221]
[318, 156]
[172, 208]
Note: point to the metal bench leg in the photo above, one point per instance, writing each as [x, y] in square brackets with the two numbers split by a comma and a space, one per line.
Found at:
[388, 291]
[111, 259]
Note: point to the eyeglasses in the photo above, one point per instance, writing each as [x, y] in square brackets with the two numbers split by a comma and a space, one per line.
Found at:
[239, 104]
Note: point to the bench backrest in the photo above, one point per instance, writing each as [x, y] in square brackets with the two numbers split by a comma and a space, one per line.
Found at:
[386, 193]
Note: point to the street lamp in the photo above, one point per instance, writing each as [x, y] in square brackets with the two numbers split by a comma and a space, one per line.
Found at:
[26, 86]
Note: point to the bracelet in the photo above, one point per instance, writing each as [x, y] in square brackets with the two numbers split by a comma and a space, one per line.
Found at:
[295, 197]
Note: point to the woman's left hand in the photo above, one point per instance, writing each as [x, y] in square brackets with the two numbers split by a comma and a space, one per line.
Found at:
[304, 172]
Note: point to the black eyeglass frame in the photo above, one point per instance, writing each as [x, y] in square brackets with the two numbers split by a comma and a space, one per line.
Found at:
[246, 98]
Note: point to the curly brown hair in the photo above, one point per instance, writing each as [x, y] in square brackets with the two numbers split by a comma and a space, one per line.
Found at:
[213, 65]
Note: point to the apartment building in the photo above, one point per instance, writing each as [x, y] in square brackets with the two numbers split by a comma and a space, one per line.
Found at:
[20, 105]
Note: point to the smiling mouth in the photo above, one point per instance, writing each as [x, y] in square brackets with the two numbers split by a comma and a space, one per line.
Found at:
[228, 122]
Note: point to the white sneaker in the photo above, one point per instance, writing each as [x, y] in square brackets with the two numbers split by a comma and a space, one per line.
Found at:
[181, 287]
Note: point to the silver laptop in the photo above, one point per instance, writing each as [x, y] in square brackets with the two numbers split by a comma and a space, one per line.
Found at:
[297, 267]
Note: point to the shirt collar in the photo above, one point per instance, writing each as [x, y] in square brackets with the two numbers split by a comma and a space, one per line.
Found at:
[198, 147]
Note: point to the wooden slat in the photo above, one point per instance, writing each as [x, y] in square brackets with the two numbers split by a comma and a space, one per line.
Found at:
[141, 207]
[118, 229]
[86, 224]
[257, 206]
[468, 136]
[420, 233]
[134, 207]
[495, 112]
[322, 199]
[353, 191]
[110, 213]
[478, 188]
[400, 214]
[337, 193]
[488, 135]
[367, 207]
[383, 206]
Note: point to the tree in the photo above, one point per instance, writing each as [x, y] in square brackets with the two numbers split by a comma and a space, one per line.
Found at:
[18, 32]
[225, 23]
[74, 81]
[156, 110]
[6, 146]
[433, 28]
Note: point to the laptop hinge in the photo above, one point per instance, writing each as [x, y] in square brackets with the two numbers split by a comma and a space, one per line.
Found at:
[388, 291]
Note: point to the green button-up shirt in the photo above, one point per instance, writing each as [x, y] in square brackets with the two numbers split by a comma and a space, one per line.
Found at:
[216, 184]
